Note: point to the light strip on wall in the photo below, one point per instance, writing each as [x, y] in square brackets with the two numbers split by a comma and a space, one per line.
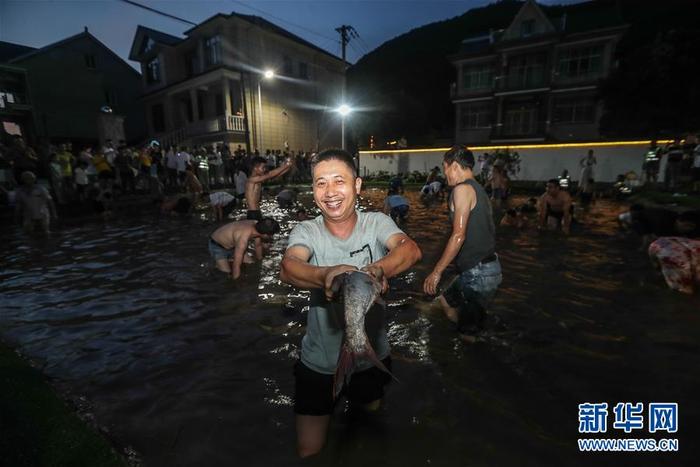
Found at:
[525, 146]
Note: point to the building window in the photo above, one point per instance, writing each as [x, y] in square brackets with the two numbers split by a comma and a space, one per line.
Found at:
[90, 61]
[477, 76]
[526, 71]
[212, 50]
[287, 66]
[581, 62]
[158, 117]
[147, 45]
[520, 120]
[191, 64]
[574, 110]
[303, 70]
[475, 116]
[527, 28]
[153, 71]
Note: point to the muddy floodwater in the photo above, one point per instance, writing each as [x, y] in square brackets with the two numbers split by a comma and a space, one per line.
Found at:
[186, 368]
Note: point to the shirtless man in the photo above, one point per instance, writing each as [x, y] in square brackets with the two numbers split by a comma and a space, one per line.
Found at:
[555, 207]
[253, 186]
[228, 243]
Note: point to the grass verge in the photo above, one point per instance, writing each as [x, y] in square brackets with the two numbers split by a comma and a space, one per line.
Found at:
[37, 428]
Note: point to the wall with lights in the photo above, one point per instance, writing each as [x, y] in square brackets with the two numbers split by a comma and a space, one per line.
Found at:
[538, 162]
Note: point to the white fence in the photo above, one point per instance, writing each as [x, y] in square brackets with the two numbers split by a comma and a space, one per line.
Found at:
[537, 162]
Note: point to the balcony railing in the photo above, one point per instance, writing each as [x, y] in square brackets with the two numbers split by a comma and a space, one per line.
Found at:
[229, 123]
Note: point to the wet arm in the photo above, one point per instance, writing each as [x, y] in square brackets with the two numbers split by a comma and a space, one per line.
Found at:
[281, 170]
[238, 253]
[464, 198]
[258, 248]
[463, 203]
[296, 270]
[403, 253]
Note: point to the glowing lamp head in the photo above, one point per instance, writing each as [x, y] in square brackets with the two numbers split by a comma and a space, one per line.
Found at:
[344, 110]
[269, 74]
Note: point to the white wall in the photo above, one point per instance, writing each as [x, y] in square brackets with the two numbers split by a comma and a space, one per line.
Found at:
[536, 164]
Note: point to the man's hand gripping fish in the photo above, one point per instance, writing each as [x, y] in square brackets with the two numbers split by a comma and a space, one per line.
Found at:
[360, 291]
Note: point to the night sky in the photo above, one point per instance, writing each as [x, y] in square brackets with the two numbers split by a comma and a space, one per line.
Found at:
[39, 23]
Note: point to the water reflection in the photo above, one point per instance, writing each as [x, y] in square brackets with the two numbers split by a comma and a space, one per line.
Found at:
[189, 368]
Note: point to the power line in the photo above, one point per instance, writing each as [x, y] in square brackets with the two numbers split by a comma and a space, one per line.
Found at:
[285, 21]
[162, 13]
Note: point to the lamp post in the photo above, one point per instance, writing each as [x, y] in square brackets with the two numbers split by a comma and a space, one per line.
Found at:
[344, 110]
[268, 75]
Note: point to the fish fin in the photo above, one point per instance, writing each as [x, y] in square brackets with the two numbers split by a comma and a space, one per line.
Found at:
[344, 370]
[372, 357]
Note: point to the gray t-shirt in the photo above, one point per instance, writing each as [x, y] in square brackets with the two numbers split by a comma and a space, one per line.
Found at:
[324, 330]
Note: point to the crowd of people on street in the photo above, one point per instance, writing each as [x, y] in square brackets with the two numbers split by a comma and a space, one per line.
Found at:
[93, 177]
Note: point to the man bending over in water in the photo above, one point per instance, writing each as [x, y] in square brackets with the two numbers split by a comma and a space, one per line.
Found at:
[555, 207]
[228, 243]
[254, 184]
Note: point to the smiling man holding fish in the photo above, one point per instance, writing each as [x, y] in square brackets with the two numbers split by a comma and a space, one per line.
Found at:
[342, 239]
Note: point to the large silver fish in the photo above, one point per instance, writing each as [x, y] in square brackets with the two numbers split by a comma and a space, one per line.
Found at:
[360, 291]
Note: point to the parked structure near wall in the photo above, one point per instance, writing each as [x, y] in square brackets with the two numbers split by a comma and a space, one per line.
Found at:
[537, 162]
[210, 86]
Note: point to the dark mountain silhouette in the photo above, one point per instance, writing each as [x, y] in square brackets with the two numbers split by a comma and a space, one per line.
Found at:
[404, 85]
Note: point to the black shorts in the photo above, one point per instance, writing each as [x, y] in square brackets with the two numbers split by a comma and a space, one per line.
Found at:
[255, 215]
[313, 391]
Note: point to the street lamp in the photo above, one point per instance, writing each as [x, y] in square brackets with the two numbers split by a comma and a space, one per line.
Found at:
[268, 75]
[344, 110]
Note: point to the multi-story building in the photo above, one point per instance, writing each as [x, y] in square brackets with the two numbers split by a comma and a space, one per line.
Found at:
[538, 79]
[211, 85]
[71, 81]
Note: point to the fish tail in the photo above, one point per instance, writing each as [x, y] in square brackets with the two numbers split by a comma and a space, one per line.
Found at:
[345, 369]
[370, 355]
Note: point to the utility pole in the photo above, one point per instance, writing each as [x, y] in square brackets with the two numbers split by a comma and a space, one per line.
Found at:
[346, 32]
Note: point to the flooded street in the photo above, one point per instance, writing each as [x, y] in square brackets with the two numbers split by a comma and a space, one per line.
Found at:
[187, 368]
